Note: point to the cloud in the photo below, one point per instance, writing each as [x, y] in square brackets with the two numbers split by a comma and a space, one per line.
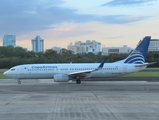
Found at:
[121, 19]
[20, 16]
[126, 2]
[71, 31]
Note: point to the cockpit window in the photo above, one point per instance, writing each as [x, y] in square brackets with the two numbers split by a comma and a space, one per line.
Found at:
[12, 69]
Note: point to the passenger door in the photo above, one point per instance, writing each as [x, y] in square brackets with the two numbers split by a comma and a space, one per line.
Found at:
[23, 71]
[124, 68]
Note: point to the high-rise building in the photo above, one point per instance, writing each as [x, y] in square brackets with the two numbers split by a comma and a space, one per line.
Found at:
[9, 40]
[37, 44]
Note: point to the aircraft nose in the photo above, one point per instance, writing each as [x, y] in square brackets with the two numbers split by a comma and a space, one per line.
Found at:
[5, 73]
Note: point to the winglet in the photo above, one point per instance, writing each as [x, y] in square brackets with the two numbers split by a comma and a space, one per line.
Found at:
[96, 61]
[100, 66]
[102, 63]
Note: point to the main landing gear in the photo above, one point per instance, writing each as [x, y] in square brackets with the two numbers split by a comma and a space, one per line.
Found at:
[78, 81]
[19, 82]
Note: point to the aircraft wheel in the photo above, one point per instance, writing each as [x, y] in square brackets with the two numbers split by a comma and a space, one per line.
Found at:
[19, 82]
[78, 81]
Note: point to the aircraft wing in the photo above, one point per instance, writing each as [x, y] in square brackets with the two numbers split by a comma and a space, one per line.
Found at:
[85, 72]
[81, 72]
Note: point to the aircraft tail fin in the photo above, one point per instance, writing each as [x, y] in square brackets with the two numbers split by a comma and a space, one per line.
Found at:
[138, 56]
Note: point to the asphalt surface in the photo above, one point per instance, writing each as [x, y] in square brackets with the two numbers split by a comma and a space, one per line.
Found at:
[104, 100]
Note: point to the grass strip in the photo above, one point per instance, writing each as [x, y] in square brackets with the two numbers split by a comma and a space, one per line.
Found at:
[142, 74]
[2, 76]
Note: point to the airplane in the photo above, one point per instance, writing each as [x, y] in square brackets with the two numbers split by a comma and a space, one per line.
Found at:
[83, 71]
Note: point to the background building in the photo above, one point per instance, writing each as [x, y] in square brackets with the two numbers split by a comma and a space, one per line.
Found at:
[73, 48]
[9, 40]
[154, 45]
[37, 44]
[85, 47]
[117, 50]
[57, 49]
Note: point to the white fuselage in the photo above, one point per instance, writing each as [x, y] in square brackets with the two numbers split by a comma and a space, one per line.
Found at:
[47, 71]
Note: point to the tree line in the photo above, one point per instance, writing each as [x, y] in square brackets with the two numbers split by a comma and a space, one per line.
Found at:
[10, 56]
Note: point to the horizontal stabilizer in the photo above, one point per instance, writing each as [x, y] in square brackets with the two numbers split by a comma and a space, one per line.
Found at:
[146, 64]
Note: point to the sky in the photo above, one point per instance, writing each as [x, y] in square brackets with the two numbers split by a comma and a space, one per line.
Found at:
[59, 22]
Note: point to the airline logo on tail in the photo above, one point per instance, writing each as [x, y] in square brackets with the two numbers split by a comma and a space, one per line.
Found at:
[135, 58]
[138, 56]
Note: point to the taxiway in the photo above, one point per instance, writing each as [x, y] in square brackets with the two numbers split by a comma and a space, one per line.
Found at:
[104, 100]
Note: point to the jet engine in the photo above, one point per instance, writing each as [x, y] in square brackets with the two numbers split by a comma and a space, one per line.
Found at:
[61, 78]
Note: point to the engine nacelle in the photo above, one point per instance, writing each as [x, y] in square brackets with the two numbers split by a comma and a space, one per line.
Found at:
[61, 78]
